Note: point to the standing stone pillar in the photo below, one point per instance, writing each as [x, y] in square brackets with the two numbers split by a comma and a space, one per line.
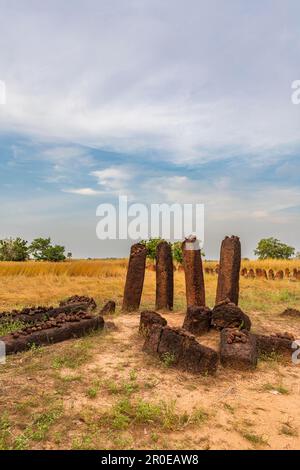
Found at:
[164, 276]
[193, 270]
[135, 277]
[229, 271]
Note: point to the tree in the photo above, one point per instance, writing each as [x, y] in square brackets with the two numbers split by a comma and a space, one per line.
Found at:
[273, 248]
[13, 249]
[151, 246]
[42, 250]
[177, 252]
[69, 255]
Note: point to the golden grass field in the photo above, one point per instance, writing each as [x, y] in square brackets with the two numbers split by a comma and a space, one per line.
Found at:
[103, 392]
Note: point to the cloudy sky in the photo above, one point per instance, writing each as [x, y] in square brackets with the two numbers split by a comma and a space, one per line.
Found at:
[163, 101]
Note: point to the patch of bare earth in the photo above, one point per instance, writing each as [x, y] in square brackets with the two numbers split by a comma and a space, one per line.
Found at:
[103, 392]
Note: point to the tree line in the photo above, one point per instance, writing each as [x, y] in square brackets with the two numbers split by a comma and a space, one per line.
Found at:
[40, 249]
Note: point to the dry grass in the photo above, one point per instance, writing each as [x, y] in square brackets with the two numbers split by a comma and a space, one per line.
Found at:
[112, 267]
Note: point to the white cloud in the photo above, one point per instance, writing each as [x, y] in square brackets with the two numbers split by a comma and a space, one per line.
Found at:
[133, 76]
[115, 180]
[83, 191]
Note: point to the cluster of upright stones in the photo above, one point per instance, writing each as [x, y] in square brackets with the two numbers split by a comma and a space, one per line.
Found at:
[228, 274]
[229, 270]
[136, 274]
[135, 278]
[164, 277]
[193, 270]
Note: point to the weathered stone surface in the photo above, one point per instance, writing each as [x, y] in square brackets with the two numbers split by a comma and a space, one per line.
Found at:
[135, 277]
[73, 328]
[79, 299]
[164, 276]
[280, 343]
[238, 349]
[197, 320]
[109, 307]
[227, 315]
[153, 338]
[35, 314]
[182, 349]
[194, 279]
[229, 271]
[149, 318]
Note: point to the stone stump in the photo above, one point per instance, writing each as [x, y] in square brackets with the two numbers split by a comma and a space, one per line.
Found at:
[251, 274]
[244, 272]
[279, 275]
[229, 270]
[135, 278]
[164, 276]
[228, 315]
[148, 319]
[287, 272]
[194, 279]
[265, 275]
[271, 275]
[109, 308]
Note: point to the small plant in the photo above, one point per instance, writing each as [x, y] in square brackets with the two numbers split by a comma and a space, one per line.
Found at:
[9, 326]
[92, 392]
[277, 388]
[271, 357]
[254, 438]
[168, 359]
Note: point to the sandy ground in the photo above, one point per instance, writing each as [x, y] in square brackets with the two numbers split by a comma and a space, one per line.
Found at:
[242, 410]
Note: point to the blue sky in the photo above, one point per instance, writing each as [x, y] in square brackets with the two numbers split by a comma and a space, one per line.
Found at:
[163, 101]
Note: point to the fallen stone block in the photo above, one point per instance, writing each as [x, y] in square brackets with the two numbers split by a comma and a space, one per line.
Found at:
[197, 320]
[227, 315]
[42, 335]
[238, 349]
[280, 343]
[35, 314]
[79, 299]
[181, 349]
